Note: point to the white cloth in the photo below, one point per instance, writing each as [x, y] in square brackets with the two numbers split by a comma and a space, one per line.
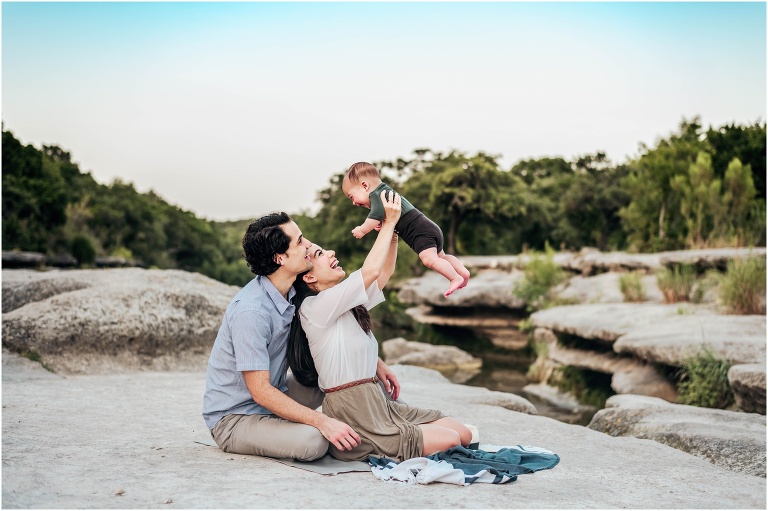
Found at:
[341, 350]
[420, 471]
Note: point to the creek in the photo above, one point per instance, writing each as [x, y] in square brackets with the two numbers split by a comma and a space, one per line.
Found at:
[503, 370]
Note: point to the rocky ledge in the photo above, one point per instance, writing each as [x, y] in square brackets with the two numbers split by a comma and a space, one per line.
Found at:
[131, 444]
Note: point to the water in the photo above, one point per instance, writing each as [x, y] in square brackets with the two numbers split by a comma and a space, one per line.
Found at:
[503, 370]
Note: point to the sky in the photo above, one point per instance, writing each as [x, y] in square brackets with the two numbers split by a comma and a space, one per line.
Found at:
[233, 110]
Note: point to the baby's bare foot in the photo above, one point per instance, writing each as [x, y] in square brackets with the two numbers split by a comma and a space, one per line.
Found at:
[455, 284]
[466, 281]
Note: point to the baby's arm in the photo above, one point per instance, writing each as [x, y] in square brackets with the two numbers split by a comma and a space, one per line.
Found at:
[361, 230]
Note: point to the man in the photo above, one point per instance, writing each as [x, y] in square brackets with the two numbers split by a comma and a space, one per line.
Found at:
[250, 404]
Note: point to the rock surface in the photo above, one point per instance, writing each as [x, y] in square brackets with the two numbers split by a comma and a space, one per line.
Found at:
[130, 445]
[605, 288]
[458, 365]
[606, 322]
[490, 288]
[731, 440]
[670, 340]
[748, 384]
[114, 318]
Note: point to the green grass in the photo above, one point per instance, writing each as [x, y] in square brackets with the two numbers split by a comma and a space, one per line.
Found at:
[703, 381]
[542, 274]
[679, 284]
[34, 356]
[631, 286]
[589, 387]
[742, 287]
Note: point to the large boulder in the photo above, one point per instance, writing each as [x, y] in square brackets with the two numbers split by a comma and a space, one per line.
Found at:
[670, 340]
[103, 457]
[630, 376]
[590, 261]
[748, 384]
[708, 258]
[606, 322]
[605, 288]
[500, 326]
[85, 320]
[489, 288]
[732, 440]
[456, 363]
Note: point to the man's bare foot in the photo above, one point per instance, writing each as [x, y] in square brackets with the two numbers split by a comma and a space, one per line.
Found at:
[455, 284]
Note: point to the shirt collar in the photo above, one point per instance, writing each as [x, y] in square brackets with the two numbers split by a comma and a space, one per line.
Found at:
[281, 304]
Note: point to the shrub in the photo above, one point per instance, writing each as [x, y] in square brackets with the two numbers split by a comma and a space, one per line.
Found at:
[703, 381]
[678, 284]
[82, 250]
[589, 387]
[742, 287]
[541, 275]
[631, 286]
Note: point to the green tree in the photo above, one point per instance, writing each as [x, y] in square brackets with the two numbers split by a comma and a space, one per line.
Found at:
[34, 197]
[652, 219]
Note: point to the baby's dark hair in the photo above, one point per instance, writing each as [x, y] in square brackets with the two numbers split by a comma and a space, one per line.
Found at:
[263, 240]
[358, 171]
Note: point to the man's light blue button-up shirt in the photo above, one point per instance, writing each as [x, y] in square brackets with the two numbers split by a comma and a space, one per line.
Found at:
[253, 337]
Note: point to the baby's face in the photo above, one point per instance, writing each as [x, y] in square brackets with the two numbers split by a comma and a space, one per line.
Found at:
[356, 193]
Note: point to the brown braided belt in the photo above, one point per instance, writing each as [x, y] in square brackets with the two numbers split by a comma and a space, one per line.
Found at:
[355, 383]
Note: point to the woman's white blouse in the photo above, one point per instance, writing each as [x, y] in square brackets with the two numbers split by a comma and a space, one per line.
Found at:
[341, 350]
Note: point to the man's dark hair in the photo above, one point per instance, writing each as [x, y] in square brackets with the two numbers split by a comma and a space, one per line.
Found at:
[263, 240]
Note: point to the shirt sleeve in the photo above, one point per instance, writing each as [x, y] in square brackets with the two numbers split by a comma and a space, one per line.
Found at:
[377, 208]
[251, 332]
[325, 308]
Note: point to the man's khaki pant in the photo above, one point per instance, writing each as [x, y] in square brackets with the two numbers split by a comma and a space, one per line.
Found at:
[270, 435]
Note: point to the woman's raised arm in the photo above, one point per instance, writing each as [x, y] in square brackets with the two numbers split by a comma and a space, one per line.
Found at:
[376, 260]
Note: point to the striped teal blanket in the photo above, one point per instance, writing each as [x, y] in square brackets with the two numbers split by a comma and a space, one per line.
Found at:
[466, 466]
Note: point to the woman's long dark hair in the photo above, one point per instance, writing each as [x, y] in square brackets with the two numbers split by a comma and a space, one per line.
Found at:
[299, 357]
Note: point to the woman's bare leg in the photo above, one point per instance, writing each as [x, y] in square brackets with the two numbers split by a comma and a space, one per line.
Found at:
[438, 438]
[465, 435]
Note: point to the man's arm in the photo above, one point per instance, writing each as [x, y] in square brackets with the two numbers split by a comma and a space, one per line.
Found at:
[262, 391]
[366, 227]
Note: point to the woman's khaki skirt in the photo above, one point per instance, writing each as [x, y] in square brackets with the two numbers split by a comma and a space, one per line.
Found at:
[386, 428]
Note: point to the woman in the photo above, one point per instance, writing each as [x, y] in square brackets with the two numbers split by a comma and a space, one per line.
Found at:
[331, 346]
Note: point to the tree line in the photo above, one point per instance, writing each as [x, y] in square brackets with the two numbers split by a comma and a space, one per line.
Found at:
[695, 188]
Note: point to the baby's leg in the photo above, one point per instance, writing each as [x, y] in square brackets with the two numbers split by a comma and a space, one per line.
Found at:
[431, 260]
[437, 438]
[460, 269]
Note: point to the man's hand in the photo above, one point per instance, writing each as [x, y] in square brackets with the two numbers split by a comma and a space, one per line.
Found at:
[389, 379]
[357, 232]
[339, 434]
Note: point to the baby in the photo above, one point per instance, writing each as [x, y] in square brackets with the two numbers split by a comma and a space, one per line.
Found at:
[363, 185]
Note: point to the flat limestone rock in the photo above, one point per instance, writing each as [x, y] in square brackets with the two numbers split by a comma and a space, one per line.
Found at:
[732, 440]
[590, 261]
[605, 288]
[489, 288]
[84, 320]
[630, 376]
[670, 340]
[708, 258]
[102, 457]
[459, 365]
[606, 322]
[748, 384]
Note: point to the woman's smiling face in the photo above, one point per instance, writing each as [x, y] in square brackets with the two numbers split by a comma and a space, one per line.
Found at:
[326, 271]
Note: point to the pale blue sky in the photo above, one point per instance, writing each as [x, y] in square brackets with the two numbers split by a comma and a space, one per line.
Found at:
[233, 110]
